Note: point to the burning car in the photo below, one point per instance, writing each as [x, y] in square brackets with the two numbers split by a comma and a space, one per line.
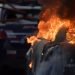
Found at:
[55, 53]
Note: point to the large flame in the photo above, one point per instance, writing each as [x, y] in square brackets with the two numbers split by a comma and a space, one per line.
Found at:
[49, 25]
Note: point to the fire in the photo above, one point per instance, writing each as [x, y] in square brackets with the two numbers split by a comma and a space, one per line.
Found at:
[32, 39]
[30, 65]
[49, 29]
[71, 33]
[49, 25]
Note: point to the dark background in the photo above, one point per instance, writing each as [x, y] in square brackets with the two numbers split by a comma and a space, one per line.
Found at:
[18, 20]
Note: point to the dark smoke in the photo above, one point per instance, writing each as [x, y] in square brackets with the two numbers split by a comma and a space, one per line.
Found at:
[66, 8]
[49, 2]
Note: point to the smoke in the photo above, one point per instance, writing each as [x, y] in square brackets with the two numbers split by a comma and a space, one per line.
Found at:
[65, 8]
[48, 2]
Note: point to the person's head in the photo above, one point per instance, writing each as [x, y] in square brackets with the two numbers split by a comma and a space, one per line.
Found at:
[61, 35]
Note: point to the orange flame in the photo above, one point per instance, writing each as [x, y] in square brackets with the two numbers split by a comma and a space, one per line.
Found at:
[32, 39]
[30, 65]
[49, 25]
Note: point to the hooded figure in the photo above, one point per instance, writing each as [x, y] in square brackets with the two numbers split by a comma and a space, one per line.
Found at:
[53, 58]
